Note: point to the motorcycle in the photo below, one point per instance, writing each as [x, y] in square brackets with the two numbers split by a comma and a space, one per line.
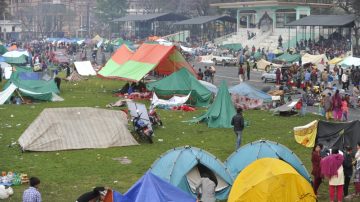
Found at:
[154, 117]
[142, 129]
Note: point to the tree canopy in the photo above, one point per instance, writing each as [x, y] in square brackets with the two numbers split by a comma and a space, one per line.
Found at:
[108, 10]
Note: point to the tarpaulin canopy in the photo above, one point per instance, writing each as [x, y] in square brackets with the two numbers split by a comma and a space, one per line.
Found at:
[262, 64]
[334, 61]
[314, 59]
[3, 49]
[115, 63]
[249, 153]
[151, 188]
[182, 82]
[306, 135]
[349, 61]
[6, 68]
[180, 167]
[287, 57]
[221, 111]
[211, 87]
[232, 46]
[338, 135]
[247, 90]
[76, 128]
[162, 59]
[271, 179]
[84, 68]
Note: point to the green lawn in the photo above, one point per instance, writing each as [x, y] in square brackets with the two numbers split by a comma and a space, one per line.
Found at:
[67, 174]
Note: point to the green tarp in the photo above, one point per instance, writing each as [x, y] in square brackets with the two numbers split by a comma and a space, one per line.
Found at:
[16, 60]
[289, 58]
[221, 111]
[36, 89]
[232, 46]
[182, 82]
[3, 49]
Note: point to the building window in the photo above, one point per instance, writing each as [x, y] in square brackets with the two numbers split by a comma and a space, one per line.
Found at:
[13, 28]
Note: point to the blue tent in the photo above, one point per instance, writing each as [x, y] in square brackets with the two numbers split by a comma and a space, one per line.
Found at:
[2, 59]
[249, 91]
[249, 153]
[183, 167]
[151, 188]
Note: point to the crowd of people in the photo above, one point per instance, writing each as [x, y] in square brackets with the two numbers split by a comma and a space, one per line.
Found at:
[337, 168]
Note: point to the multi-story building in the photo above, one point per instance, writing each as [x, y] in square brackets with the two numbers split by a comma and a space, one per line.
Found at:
[54, 18]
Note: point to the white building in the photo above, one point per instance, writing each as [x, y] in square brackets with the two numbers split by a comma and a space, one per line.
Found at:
[10, 29]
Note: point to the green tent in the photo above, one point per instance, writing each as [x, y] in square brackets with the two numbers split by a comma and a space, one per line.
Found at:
[221, 111]
[232, 46]
[38, 88]
[16, 60]
[182, 82]
[3, 49]
[257, 55]
[289, 58]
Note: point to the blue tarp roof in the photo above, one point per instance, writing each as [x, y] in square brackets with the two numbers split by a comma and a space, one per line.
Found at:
[151, 188]
[175, 164]
[249, 153]
[249, 91]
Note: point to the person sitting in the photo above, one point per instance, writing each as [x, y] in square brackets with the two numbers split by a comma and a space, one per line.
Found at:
[97, 194]
[207, 189]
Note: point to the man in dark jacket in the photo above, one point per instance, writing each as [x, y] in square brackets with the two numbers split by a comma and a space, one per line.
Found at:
[348, 169]
[238, 123]
[98, 193]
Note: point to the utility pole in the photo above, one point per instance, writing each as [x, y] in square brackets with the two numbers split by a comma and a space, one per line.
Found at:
[4, 28]
[88, 19]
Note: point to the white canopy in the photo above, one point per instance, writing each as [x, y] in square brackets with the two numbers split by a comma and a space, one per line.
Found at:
[15, 54]
[84, 68]
[314, 59]
[349, 61]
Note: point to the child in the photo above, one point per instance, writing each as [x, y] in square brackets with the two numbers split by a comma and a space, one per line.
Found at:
[344, 109]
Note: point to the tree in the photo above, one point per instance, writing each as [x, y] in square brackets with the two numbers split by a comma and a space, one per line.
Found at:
[3, 6]
[108, 10]
[352, 7]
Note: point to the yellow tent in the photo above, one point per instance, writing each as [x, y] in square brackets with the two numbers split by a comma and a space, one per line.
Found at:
[334, 61]
[306, 135]
[269, 179]
[97, 38]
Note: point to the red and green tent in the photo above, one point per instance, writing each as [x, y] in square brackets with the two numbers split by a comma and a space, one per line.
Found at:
[164, 60]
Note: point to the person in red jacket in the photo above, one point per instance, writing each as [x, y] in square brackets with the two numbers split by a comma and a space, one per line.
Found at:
[316, 171]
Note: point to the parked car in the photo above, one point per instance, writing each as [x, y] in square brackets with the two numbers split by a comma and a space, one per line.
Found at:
[224, 59]
[270, 76]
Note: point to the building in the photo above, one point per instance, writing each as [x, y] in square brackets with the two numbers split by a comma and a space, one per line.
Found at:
[10, 29]
[54, 18]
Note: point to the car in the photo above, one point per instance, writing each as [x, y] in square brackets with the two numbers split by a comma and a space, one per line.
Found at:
[270, 76]
[224, 59]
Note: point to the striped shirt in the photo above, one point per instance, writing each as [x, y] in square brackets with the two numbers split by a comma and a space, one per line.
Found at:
[31, 195]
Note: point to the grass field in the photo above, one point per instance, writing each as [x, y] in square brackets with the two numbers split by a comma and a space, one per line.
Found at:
[67, 174]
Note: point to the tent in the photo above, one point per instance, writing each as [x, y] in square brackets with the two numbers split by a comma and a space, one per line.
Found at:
[249, 153]
[84, 68]
[35, 85]
[151, 188]
[7, 69]
[288, 58]
[16, 57]
[338, 135]
[182, 82]
[161, 59]
[184, 166]
[115, 63]
[74, 77]
[271, 180]
[349, 61]
[262, 64]
[3, 49]
[76, 128]
[221, 111]
[211, 87]
[306, 135]
[232, 46]
[334, 61]
[246, 96]
[314, 59]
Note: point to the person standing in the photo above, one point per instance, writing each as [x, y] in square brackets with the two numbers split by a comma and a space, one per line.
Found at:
[340, 73]
[278, 76]
[316, 171]
[345, 80]
[200, 74]
[328, 106]
[348, 169]
[248, 70]
[344, 109]
[32, 194]
[241, 73]
[331, 168]
[212, 72]
[336, 106]
[238, 122]
[206, 74]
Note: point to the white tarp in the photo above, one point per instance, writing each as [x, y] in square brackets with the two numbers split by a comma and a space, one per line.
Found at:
[137, 109]
[84, 68]
[7, 69]
[76, 128]
[211, 87]
[262, 64]
[172, 102]
[314, 59]
[164, 42]
[206, 59]
[186, 49]
[15, 54]
[349, 61]
[6, 94]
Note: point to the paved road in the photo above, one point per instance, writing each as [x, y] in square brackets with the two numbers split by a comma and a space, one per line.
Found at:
[230, 74]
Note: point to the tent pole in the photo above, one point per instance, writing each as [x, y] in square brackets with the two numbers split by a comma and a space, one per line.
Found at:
[22, 99]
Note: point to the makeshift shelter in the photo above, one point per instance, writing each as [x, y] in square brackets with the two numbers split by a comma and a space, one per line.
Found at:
[338, 135]
[306, 135]
[249, 153]
[182, 82]
[314, 59]
[184, 166]
[335, 61]
[161, 59]
[74, 77]
[232, 46]
[246, 96]
[116, 61]
[349, 61]
[288, 58]
[172, 102]
[271, 180]
[221, 111]
[262, 64]
[151, 188]
[76, 128]
[287, 109]
[35, 85]
[84, 68]
[16, 57]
